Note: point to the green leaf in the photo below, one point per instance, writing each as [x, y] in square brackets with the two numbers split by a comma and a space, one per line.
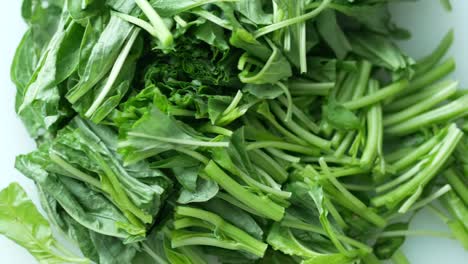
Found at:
[212, 34]
[102, 57]
[108, 92]
[253, 11]
[333, 34]
[22, 223]
[276, 68]
[204, 191]
[81, 11]
[264, 91]
[168, 8]
[242, 39]
[282, 239]
[374, 16]
[379, 51]
[23, 66]
[156, 132]
[340, 117]
[234, 215]
[225, 235]
[40, 107]
[89, 208]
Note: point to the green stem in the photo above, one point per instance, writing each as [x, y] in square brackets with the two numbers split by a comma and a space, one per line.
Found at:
[402, 178]
[410, 201]
[136, 21]
[457, 184]
[426, 174]
[352, 203]
[114, 73]
[272, 120]
[378, 96]
[374, 130]
[268, 164]
[363, 79]
[347, 172]
[284, 146]
[429, 199]
[298, 224]
[160, 29]
[307, 87]
[370, 259]
[182, 239]
[337, 138]
[306, 121]
[266, 179]
[209, 128]
[289, 104]
[288, 22]
[421, 106]
[344, 145]
[234, 103]
[181, 141]
[262, 187]
[263, 205]
[358, 187]
[180, 21]
[452, 110]
[425, 64]
[430, 77]
[415, 155]
[192, 222]
[335, 214]
[152, 254]
[412, 99]
[301, 132]
[398, 154]
[282, 155]
[346, 90]
[256, 247]
[193, 154]
[429, 233]
[228, 198]
[456, 207]
[120, 195]
[74, 172]
[211, 17]
[332, 159]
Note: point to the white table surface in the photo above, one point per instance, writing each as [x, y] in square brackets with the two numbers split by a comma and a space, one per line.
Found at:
[428, 23]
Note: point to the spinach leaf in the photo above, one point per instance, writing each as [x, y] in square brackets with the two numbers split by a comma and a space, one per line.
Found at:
[340, 117]
[156, 132]
[329, 29]
[22, 223]
[102, 57]
[40, 107]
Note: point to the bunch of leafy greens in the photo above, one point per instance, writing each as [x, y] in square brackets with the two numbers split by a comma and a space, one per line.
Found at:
[266, 131]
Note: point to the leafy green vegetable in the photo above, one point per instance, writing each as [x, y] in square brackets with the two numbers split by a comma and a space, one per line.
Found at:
[284, 131]
[22, 223]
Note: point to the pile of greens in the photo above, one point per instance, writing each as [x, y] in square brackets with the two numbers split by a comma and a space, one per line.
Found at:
[247, 131]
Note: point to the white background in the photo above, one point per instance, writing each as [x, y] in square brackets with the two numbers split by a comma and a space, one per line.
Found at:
[428, 23]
